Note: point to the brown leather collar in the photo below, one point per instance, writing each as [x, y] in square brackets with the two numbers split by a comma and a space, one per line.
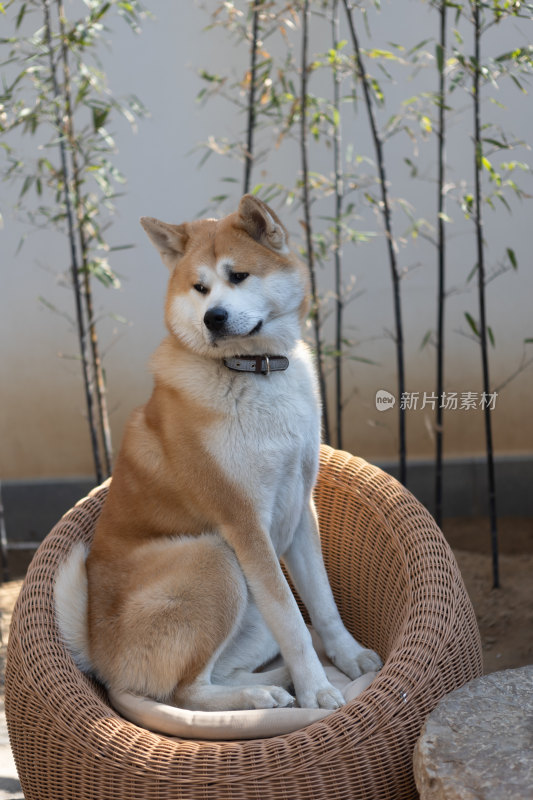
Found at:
[259, 365]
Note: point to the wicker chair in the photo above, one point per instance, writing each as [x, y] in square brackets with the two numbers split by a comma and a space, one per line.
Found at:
[399, 591]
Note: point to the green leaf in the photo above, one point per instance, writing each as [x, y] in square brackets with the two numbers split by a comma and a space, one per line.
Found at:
[491, 336]
[119, 318]
[28, 180]
[100, 115]
[101, 270]
[376, 53]
[472, 273]
[20, 16]
[517, 82]
[413, 167]
[496, 143]
[528, 341]
[471, 321]
[512, 258]
[362, 360]
[426, 339]
[380, 97]
[101, 11]
[418, 46]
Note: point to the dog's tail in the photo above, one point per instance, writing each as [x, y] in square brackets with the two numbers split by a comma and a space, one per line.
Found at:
[71, 603]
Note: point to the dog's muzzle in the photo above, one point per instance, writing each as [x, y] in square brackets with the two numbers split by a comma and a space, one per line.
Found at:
[216, 322]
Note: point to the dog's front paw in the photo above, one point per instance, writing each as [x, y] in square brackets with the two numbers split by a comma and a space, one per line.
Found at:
[368, 661]
[352, 659]
[325, 697]
[267, 697]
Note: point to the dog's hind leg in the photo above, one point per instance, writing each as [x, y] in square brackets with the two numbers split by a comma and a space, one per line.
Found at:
[250, 648]
[228, 682]
[206, 696]
[187, 599]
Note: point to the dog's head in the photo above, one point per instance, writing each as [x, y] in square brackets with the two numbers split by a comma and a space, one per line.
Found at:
[235, 287]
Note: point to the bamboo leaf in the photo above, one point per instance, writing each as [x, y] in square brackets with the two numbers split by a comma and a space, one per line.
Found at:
[496, 143]
[418, 47]
[100, 12]
[28, 180]
[362, 360]
[412, 166]
[512, 258]
[378, 93]
[426, 339]
[472, 323]
[491, 336]
[100, 115]
[20, 16]
[517, 82]
[471, 273]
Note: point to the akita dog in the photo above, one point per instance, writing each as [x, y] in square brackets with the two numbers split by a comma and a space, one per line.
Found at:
[212, 486]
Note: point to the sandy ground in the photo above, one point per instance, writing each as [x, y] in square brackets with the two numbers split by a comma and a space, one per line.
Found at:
[505, 615]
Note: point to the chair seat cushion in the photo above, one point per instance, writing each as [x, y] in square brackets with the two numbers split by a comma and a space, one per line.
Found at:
[224, 725]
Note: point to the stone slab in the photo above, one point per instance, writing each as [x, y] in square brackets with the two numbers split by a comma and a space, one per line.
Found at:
[478, 743]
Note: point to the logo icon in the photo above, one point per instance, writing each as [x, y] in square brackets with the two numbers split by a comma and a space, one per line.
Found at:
[384, 400]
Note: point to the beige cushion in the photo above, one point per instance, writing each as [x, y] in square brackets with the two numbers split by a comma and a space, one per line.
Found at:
[249, 724]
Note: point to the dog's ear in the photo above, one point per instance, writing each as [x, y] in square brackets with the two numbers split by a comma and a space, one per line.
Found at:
[262, 224]
[170, 240]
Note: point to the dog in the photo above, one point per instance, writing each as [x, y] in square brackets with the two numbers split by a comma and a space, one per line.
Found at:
[213, 483]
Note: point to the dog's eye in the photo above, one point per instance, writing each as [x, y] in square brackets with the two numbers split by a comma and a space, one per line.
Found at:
[238, 277]
[200, 288]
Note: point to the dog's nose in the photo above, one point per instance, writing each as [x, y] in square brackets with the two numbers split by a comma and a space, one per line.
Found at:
[215, 318]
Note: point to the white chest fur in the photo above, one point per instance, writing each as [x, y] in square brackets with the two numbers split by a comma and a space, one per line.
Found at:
[267, 440]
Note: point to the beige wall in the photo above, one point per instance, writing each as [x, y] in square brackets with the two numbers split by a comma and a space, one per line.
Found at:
[42, 427]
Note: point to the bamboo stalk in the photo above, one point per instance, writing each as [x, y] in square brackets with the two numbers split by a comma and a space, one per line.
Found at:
[441, 265]
[99, 383]
[337, 247]
[387, 219]
[250, 127]
[481, 292]
[315, 304]
[75, 271]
